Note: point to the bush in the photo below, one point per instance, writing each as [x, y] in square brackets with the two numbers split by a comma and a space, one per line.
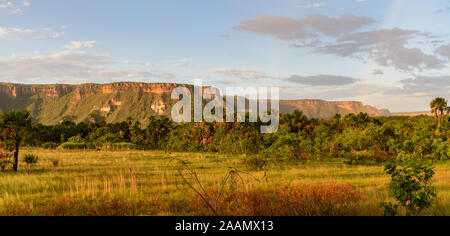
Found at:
[55, 163]
[441, 150]
[31, 159]
[50, 145]
[5, 159]
[75, 139]
[256, 162]
[91, 146]
[410, 185]
[287, 144]
[71, 146]
[365, 157]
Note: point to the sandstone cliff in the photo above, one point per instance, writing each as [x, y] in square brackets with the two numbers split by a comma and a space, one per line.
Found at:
[326, 109]
[113, 102]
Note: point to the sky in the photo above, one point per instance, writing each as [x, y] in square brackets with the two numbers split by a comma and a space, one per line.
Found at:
[390, 54]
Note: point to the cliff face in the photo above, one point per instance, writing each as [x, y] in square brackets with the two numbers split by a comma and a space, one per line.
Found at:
[21, 91]
[114, 102]
[325, 109]
[86, 90]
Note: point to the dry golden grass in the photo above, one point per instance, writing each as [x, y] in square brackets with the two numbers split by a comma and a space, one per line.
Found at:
[320, 199]
[146, 183]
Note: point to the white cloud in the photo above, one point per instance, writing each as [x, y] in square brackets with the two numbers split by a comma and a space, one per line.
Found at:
[181, 65]
[424, 86]
[322, 80]
[14, 6]
[80, 44]
[444, 51]
[354, 91]
[386, 47]
[378, 72]
[313, 5]
[71, 67]
[289, 28]
[185, 62]
[238, 73]
[342, 36]
[29, 33]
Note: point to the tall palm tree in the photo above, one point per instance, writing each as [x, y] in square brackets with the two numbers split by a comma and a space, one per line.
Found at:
[439, 108]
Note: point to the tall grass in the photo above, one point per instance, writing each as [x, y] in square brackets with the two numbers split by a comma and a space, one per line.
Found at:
[319, 199]
[88, 182]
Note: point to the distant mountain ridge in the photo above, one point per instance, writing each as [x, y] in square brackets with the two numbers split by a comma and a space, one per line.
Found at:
[327, 109]
[416, 113]
[53, 103]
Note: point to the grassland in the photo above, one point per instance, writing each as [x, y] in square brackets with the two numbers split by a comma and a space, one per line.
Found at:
[148, 183]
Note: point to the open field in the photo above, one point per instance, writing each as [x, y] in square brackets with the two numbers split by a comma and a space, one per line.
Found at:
[146, 183]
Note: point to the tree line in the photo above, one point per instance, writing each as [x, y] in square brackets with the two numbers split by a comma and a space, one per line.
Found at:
[357, 138]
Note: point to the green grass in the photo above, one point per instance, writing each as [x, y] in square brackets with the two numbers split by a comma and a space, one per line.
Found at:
[145, 183]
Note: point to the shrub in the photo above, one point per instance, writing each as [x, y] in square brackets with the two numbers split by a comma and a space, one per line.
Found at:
[410, 185]
[365, 157]
[55, 163]
[71, 146]
[91, 146]
[5, 159]
[356, 158]
[441, 150]
[31, 159]
[75, 139]
[287, 144]
[256, 162]
[50, 145]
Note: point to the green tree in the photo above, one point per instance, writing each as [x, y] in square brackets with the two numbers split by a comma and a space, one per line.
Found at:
[295, 122]
[15, 124]
[286, 144]
[157, 131]
[411, 184]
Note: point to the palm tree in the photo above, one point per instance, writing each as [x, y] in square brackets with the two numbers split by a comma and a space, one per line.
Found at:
[439, 108]
[14, 124]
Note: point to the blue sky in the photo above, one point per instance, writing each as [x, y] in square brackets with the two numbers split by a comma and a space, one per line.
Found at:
[392, 54]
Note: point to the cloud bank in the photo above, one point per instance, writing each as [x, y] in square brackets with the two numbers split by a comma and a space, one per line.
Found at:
[71, 67]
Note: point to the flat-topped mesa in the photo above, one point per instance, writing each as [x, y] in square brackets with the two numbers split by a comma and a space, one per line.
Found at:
[115, 102]
[326, 109]
[23, 91]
